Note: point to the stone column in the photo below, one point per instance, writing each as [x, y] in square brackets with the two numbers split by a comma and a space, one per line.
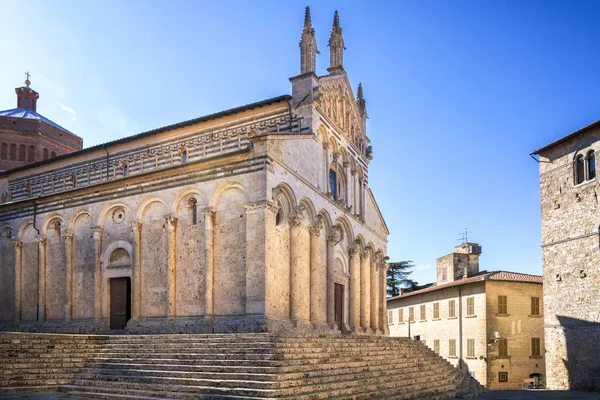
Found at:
[209, 216]
[354, 302]
[332, 239]
[68, 236]
[258, 216]
[171, 260]
[374, 295]
[353, 179]
[298, 273]
[136, 226]
[318, 276]
[97, 234]
[18, 245]
[345, 164]
[365, 290]
[42, 242]
[383, 267]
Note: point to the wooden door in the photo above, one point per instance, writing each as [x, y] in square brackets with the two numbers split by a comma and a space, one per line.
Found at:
[120, 302]
[339, 305]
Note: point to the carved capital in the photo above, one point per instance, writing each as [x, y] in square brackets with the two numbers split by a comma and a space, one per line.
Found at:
[353, 171]
[334, 235]
[208, 212]
[326, 145]
[136, 226]
[272, 207]
[296, 219]
[17, 244]
[42, 240]
[355, 250]
[97, 232]
[68, 234]
[262, 205]
[365, 255]
[335, 155]
[171, 221]
[315, 229]
[345, 164]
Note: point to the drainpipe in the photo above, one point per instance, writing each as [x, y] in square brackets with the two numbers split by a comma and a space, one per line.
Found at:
[37, 317]
[460, 339]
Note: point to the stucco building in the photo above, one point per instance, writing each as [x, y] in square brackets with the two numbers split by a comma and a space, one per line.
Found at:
[27, 136]
[571, 258]
[257, 218]
[487, 323]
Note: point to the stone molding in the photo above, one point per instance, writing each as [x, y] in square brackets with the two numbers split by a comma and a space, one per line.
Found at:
[42, 240]
[17, 244]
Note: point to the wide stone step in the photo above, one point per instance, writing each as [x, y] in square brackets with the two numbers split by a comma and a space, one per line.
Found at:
[134, 394]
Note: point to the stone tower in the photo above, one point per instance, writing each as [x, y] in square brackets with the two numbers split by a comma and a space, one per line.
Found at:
[336, 46]
[308, 46]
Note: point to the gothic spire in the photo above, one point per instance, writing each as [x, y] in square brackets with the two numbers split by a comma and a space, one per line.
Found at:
[308, 45]
[336, 44]
[361, 104]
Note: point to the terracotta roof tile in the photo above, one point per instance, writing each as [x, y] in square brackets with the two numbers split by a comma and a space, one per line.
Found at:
[482, 276]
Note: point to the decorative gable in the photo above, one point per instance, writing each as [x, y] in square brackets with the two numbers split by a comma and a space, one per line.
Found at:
[336, 102]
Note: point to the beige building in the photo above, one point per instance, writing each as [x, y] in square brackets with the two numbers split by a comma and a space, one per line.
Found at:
[258, 218]
[569, 191]
[487, 323]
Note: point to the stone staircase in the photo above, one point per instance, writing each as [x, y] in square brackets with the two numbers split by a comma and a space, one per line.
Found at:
[229, 366]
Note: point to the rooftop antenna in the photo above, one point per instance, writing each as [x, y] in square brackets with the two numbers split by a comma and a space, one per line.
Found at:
[464, 236]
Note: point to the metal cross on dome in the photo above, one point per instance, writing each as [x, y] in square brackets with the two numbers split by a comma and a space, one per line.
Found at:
[27, 82]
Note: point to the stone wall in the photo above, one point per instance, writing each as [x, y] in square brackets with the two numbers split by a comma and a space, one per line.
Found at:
[570, 255]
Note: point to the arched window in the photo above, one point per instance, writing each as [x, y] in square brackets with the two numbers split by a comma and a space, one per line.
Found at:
[184, 156]
[4, 151]
[57, 227]
[45, 154]
[31, 155]
[579, 169]
[26, 102]
[333, 184]
[52, 154]
[591, 165]
[13, 152]
[192, 205]
[74, 180]
[125, 170]
[22, 151]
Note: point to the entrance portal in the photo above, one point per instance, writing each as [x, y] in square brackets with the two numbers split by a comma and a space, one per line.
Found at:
[120, 302]
[339, 305]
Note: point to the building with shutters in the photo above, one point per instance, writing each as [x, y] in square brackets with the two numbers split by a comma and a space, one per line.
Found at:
[254, 219]
[487, 323]
[27, 137]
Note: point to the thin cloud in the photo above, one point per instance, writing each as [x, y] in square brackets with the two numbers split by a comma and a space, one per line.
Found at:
[69, 110]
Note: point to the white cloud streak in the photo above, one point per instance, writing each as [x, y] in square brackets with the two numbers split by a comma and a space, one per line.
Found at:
[69, 110]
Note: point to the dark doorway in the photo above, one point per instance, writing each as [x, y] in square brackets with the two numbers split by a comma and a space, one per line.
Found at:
[120, 302]
[339, 305]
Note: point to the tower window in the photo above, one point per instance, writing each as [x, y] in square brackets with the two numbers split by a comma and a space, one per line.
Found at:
[579, 169]
[333, 184]
[4, 151]
[184, 156]
[125, 170]
[192, 204]
[591, 165]
[45, 154]
[26, 103]
[52, 154]
[31, 155]
[22, 151]
[13, 152]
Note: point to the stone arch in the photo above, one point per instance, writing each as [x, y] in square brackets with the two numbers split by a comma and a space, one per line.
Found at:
[325, 218]
[229, 249]
[221, 189]
[184, 194]
[370, 247]
[309, 209]
[360, 241]
[105, 212]
[346, 229]
[145, 204]
[75, 216]
[46, 223]
[284, 197]
[22, 226]
[110, 248]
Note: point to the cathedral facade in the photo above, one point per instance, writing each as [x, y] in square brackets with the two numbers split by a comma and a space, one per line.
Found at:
[254, 219]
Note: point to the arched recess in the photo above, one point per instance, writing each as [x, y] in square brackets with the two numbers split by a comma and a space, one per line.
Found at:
[117, 263]
[81, 224]
[191, 249]
[29, 272]
[223, 188]
[154, 258]
[7, 274]
[309, 210]
[56, 267]
[229, 281]
[345, 227]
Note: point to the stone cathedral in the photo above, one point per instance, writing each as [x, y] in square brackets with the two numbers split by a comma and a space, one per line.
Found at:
[254, 219]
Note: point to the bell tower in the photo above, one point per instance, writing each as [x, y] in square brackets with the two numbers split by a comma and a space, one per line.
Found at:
[26, 96]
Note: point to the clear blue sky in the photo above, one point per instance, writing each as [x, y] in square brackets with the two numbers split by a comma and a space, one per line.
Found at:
[459, 93]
